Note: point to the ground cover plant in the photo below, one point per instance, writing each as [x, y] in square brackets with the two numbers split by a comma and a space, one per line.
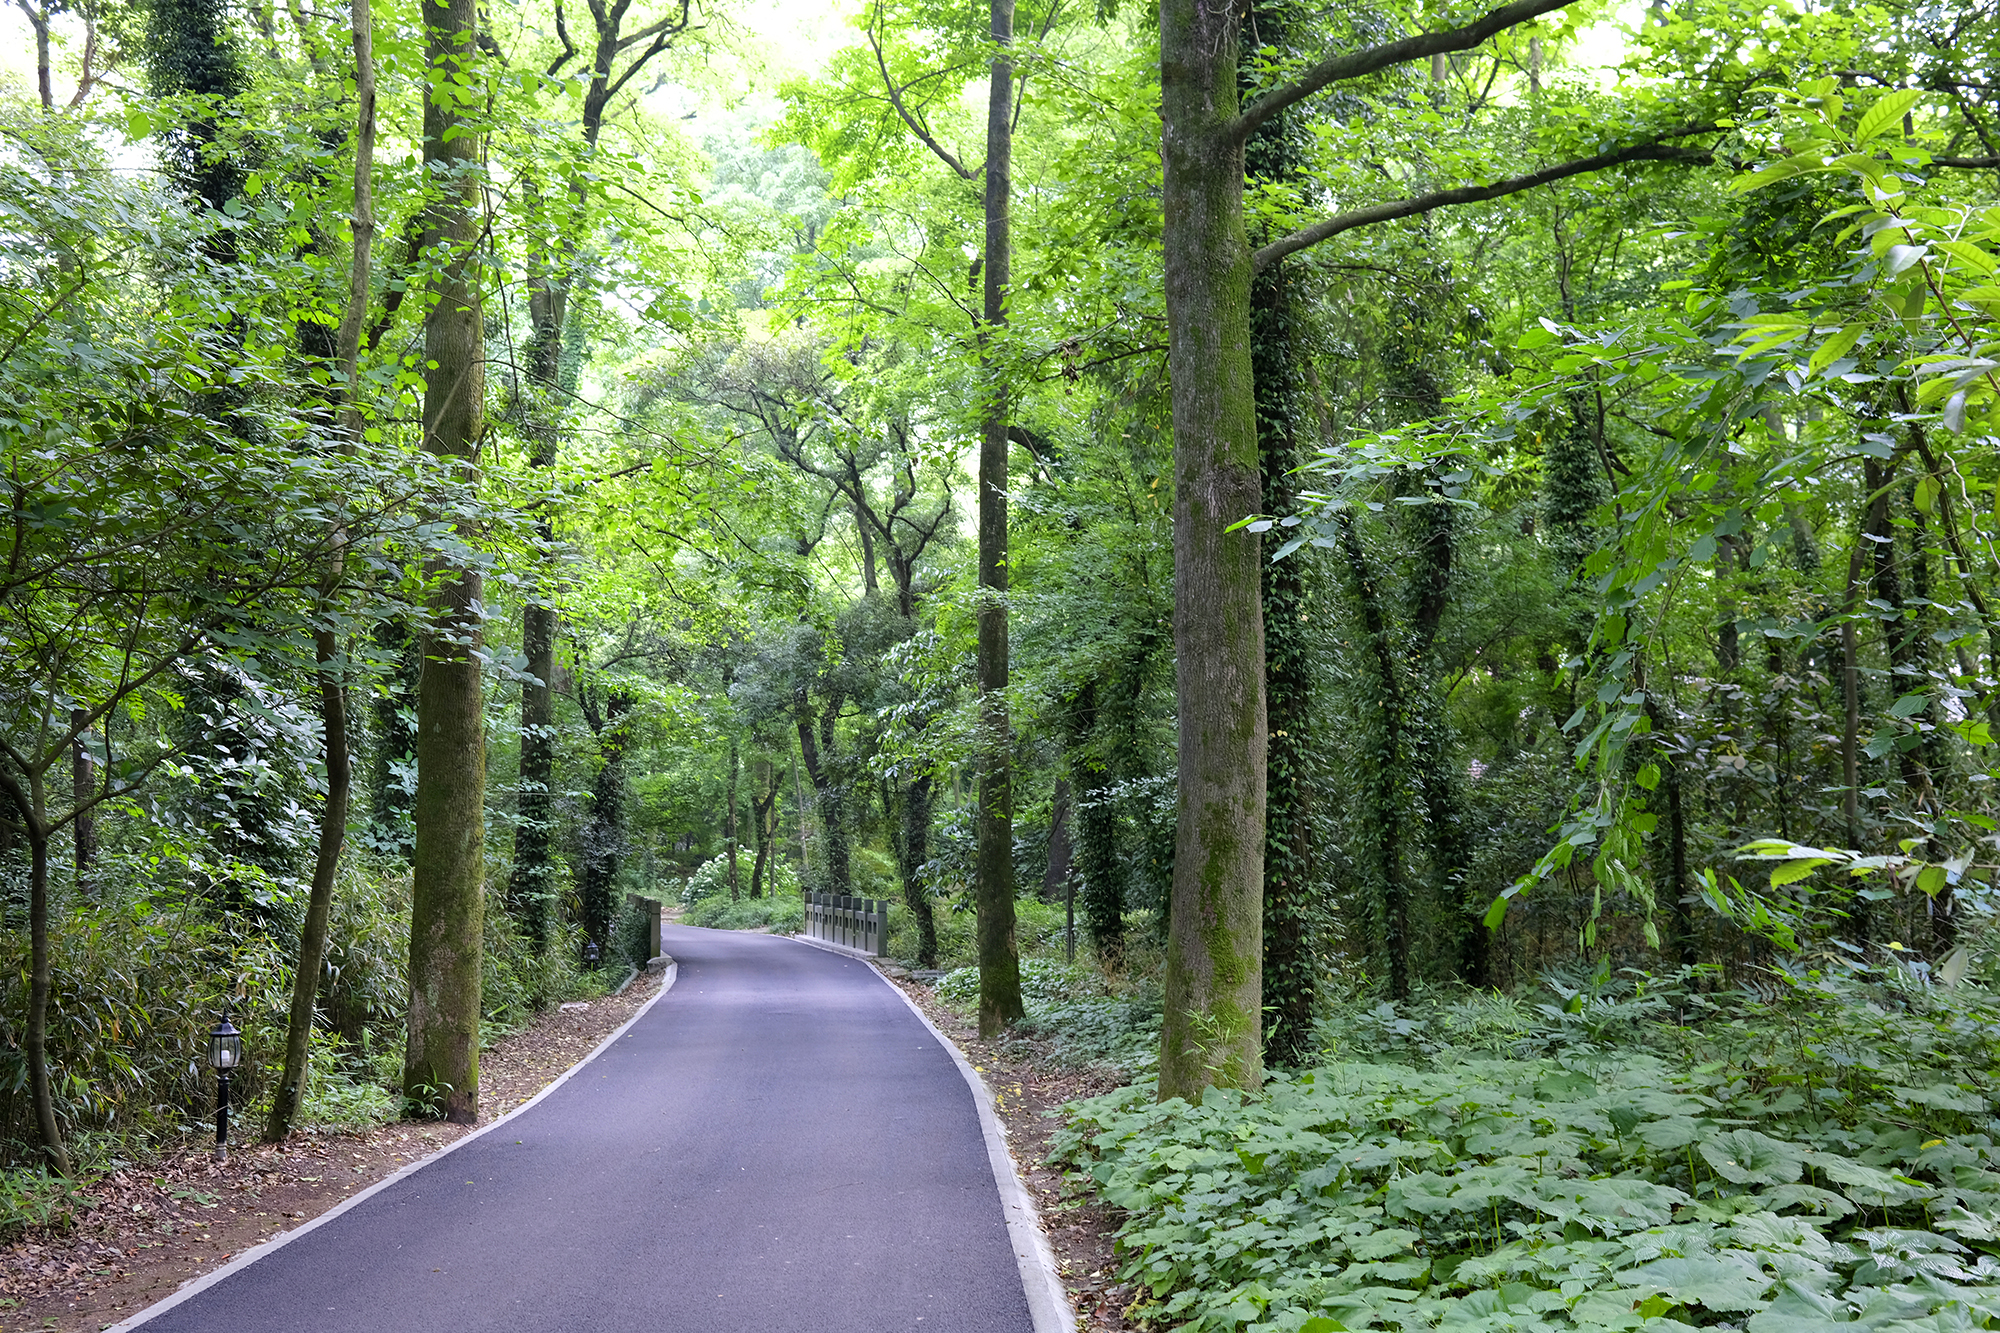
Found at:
[1820, 1154]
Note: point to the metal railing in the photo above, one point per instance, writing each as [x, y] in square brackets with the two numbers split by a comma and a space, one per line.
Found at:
[854, 923]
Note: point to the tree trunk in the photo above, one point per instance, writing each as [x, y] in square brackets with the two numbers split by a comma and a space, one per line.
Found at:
[604, 819]
[829, 798]
[1382, 805]
[531, 886]
[764, 825]
[31, 803]
[83, 779]
[38, 19]
[1062, 852]
[999, 953]
[729, 821]
[915, 845]
[1212, 1032]
[319, 905]
[441, 1060]
[1276, 153]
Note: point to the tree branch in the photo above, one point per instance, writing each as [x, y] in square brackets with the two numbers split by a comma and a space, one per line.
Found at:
[1967, 163]
[944, 154]
[1473, 194]
[1355, 64]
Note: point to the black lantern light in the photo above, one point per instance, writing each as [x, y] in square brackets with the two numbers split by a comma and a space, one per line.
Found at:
[225, 1053]
[590, 953]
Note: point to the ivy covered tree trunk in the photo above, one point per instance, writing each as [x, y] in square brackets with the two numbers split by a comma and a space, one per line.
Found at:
[604, 817]
[1212, 1032]
[1276, 153]
[441, 1060]
[999, 952]
[829, 793]
[1379, 777]
[531, 885]
[914, 846]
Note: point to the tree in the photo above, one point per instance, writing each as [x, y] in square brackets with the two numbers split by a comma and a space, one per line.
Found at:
[441, 1061]
[1213, 1020]
[328, 654]
[558, 230]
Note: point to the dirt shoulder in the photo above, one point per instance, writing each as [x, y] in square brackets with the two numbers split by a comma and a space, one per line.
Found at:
[1029, 1090]
[143, 1231]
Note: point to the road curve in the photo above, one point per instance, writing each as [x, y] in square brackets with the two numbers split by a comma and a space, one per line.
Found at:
[778, 1145]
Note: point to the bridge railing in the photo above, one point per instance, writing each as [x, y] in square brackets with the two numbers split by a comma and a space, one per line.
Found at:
[855, 923]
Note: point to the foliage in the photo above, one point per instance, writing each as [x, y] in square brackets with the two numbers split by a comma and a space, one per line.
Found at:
[780, 915]
[1538, 1168]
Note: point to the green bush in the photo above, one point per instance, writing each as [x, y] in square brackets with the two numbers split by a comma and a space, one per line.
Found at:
[780, 915]
[1074, 1014]
[341, 1098]
[711, 879]
[33, 1199]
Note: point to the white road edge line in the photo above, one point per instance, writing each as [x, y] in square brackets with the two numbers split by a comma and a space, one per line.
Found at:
[250, 1256]
[1048, 1300]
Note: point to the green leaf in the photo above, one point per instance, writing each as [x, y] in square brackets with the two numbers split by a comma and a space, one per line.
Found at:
[1793, 871]
[1887, 111]
[1835, 347]
[1745, 1157]
[1718, 1282]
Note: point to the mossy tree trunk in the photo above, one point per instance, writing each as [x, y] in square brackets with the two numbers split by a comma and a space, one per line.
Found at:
[441, 1059]
[1212, 1033]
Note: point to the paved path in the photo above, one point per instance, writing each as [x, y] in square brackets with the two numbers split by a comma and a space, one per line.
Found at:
[777, 1146]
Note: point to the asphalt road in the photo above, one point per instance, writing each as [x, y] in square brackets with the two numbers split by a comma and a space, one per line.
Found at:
[777, 1146]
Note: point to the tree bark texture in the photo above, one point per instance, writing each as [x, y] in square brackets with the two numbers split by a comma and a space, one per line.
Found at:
[441, 1060]
[1212, 1033]
[531, 885]
[999, 952]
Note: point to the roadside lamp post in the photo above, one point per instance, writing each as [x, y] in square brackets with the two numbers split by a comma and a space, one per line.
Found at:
[225, 1052]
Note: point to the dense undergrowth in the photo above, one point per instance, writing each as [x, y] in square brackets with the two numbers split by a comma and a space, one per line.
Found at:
[1819, 1152]
[141, 974]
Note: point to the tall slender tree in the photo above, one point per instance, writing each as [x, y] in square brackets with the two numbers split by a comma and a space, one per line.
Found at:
[441, 1060]
[999, 953]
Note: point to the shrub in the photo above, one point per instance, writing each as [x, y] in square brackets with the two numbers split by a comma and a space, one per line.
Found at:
[779, 915]
[711, 879]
